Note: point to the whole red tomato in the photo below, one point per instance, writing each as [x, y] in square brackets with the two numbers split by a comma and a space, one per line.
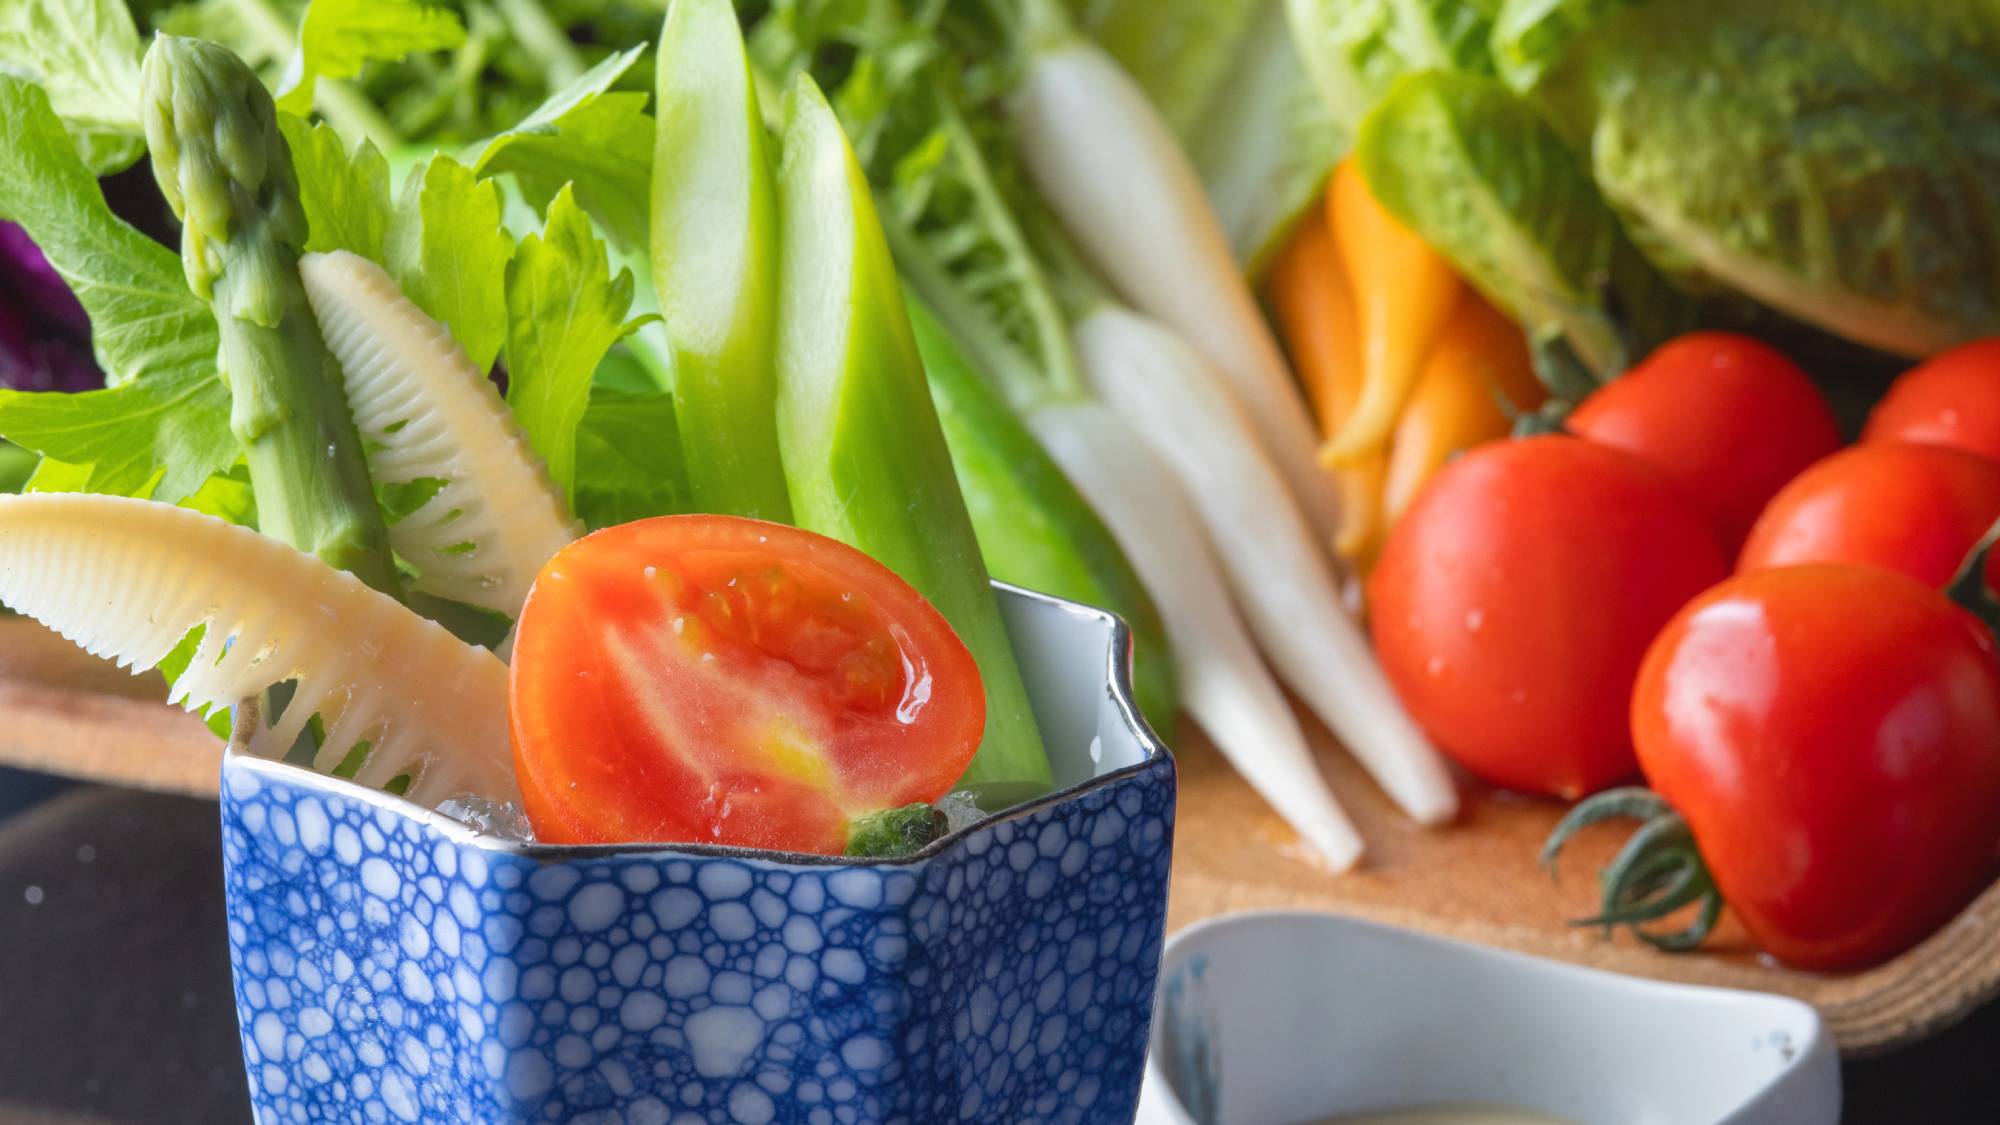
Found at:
[1725, 417]
[1514, 600]
[1950, 399]
[1832, 736]
[1918, 509]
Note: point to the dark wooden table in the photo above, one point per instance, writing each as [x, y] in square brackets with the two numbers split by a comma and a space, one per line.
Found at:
[115, 1001]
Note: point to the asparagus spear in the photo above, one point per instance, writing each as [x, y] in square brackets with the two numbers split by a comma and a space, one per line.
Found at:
[227, 172]
[864, 456]
[715, 260]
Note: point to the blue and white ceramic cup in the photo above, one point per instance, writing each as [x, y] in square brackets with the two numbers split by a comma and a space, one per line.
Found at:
[391, 965]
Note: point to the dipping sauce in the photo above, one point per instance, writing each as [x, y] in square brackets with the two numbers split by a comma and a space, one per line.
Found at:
[1462, 1113]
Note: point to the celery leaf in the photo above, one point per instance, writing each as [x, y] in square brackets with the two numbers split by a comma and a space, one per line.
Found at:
[166, 416]
[565, 310]
[339, 37]
[345, 192]
[448, 252]
[85, 53]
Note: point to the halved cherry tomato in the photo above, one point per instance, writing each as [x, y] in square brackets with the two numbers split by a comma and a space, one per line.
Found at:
[1832, 736]
[1514, 600]
[1725, 417]
[1952, 399]
[719, 680]
[1917, 509]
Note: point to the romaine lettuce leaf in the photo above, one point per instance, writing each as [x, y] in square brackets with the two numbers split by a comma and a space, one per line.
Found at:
[1354, 49]
[1838, 160]
[85, 53]
[1473, 170]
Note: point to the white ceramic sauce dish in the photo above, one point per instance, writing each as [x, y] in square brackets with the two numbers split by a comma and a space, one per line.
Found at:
[1277, 1018]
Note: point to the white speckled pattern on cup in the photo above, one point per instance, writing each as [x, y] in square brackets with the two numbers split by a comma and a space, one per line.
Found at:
[392, 966]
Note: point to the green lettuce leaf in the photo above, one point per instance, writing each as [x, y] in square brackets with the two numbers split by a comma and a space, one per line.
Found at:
[1354, 49]
[1532, 36]
[448, 252]
[165, 419]
[345, 191]
[629, 464]
[1837, 160]
[85, 53]
[588, 136]
[339, 37]
[1472, 169]
[565, 310]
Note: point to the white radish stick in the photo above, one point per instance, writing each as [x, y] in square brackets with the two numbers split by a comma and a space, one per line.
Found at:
[1282, 581]
[1125, 190]
[1223, 683]
[127, 579]
[425, 413]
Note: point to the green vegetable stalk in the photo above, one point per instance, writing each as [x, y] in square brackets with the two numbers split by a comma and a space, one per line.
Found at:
[16, 466]
[715, 260]
[1034, 529]
[863, 453]
[227, 172]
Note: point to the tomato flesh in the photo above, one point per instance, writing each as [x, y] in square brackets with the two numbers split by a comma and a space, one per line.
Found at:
[1512, 604]
[710, 679]
[1951, 399]
[1915, 509]
[1727, 418]
[1832, 735]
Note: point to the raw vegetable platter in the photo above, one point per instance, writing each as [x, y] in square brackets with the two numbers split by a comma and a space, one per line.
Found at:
[603, 423]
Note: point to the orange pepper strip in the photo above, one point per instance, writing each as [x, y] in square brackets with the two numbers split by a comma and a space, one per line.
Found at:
[1477, 372]
[1308, 290]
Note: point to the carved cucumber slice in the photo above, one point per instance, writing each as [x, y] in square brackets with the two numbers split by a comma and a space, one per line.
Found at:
[425, 413]
[127, 579]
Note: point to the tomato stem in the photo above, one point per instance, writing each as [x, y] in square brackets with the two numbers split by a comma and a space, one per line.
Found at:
[1968, 587]
[897, 833]
[1658, 872]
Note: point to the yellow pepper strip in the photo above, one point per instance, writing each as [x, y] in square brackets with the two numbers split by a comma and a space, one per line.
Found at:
[1308, 290]
[1477, 372]
[1404, 293]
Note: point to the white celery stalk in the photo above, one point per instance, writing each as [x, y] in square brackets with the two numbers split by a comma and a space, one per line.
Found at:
[1124, 189]
[1223, 683]
[1282, 580]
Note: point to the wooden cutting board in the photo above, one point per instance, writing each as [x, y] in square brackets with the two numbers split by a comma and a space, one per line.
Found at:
[63, 712]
